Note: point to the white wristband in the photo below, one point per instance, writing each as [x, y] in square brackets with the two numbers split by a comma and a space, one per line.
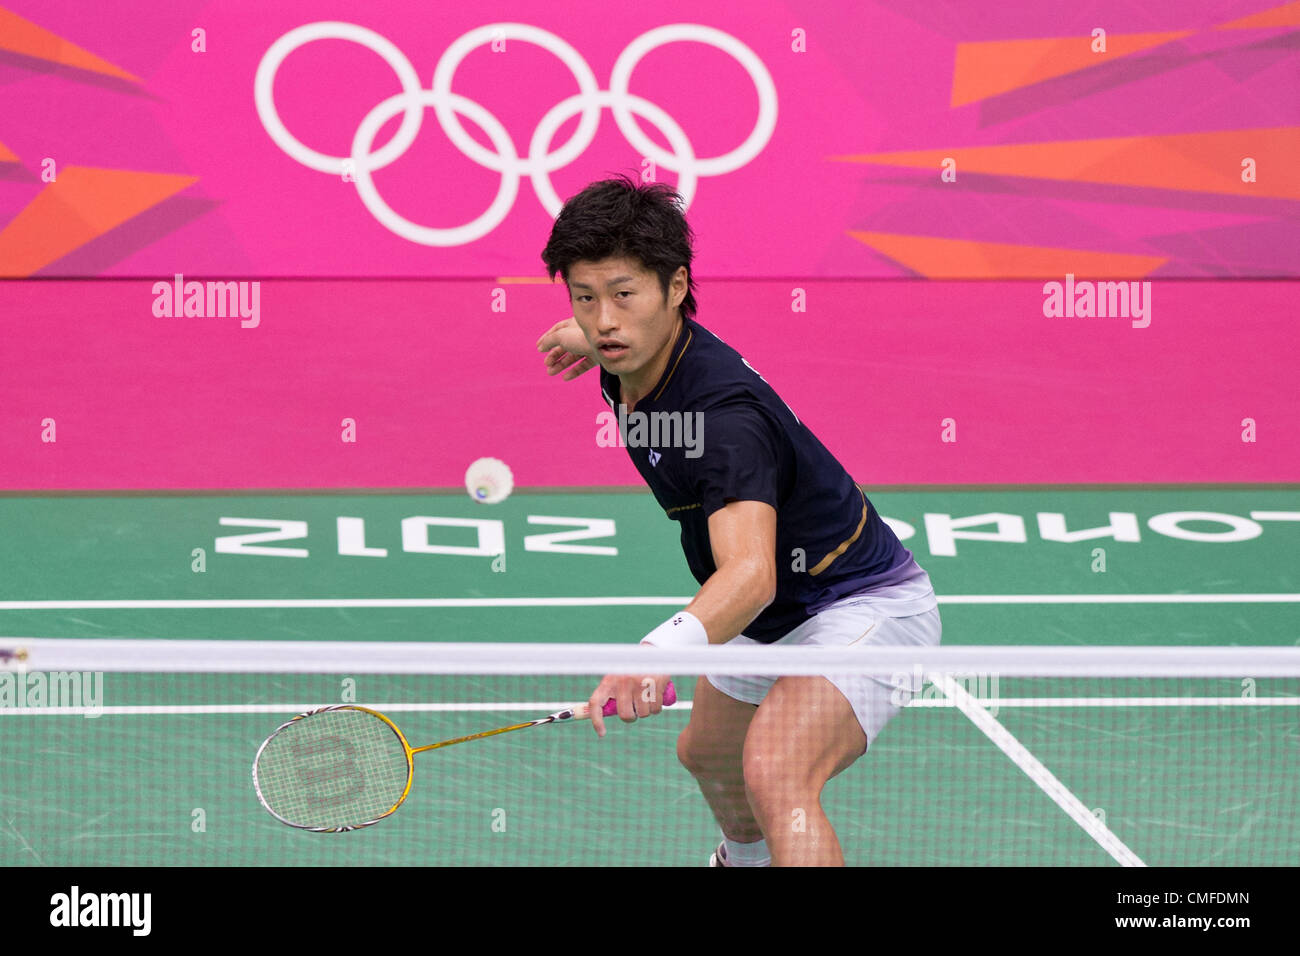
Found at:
[683, 629]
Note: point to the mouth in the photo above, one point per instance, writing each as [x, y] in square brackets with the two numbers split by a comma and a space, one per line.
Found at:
[612, 350]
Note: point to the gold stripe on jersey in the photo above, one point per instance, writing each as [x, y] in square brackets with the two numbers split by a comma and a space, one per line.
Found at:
[825, 562]
[689, 335]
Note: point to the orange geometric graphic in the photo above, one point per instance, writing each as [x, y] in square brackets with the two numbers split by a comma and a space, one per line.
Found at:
[987, 68]
[7, 155]
[82, 204]
[939, 258]
[22, 36]
[1195, 162]
[1287, 15]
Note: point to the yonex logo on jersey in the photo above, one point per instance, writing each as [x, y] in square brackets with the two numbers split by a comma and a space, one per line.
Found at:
[652, 430]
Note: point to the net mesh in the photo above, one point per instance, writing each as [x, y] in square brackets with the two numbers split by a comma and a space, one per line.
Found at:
[1002, 756]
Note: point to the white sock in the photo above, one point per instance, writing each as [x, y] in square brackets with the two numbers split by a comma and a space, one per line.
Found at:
[747, 854]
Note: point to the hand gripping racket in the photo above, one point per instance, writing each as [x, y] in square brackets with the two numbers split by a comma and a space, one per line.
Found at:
[346, 767]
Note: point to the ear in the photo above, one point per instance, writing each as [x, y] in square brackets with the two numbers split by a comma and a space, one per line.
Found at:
[680, 285]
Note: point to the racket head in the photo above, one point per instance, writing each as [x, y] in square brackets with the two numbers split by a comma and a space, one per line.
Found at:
[333, 769]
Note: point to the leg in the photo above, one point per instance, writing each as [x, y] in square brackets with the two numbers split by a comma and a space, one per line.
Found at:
[711, 748]
[804, 733]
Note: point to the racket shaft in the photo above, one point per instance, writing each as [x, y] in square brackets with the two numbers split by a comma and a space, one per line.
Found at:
[481, 735]
[577, 712]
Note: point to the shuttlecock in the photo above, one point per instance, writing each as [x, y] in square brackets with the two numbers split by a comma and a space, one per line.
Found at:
[489, 481]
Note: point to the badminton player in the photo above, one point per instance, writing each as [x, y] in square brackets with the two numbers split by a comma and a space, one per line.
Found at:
[786, 548]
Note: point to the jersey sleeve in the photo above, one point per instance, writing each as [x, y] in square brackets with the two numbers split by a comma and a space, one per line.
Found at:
[740, 459]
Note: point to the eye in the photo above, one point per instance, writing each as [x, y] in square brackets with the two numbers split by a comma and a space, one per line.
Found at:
[624, 292]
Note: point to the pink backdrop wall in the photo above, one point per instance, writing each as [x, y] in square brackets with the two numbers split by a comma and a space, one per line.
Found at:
[434, 378]
[127, 155]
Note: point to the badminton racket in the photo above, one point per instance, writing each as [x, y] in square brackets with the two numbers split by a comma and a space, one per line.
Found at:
[345, 767]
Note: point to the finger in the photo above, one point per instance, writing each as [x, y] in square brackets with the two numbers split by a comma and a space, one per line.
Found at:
[548, 337]
[596, 707]
[658, 703]
[627, 695]
[554, 360]
[567, 359]
[585, 365]
[645, 695]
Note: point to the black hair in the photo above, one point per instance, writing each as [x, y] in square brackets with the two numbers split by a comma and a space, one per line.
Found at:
[622, 218]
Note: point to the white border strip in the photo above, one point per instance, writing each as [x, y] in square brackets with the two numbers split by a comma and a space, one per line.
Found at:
[422, 657]
[642, 601]
[288, 710]
[146, 710]
[1033, 767]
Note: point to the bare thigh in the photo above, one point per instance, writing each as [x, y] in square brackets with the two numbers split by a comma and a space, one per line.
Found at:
[804, 733]
[715, 736]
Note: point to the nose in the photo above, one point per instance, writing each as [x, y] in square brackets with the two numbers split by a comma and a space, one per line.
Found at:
[607, 320]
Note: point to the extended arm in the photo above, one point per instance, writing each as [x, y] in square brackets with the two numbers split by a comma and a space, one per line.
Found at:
[742, 535]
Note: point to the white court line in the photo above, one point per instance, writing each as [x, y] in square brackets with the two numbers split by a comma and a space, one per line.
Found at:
[1033, 767]
[1117, 702]
[682, 706]
[1119, 599]
[639, 601]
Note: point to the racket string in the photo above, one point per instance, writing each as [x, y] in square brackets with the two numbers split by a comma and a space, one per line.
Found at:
[333, 769]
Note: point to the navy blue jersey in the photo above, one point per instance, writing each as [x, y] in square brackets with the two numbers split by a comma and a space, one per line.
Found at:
[712, 431]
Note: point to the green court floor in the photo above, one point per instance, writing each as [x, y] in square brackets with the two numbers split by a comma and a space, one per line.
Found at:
[1199, 784]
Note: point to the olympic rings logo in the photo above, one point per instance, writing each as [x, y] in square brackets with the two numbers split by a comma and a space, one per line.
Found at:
[540, 160]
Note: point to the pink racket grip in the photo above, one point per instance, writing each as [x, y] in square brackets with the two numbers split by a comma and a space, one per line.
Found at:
[670, 698]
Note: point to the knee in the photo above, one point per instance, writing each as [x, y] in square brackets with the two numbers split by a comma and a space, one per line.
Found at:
[767, 780]
[702, 754]
[688, 752]
[779, 784]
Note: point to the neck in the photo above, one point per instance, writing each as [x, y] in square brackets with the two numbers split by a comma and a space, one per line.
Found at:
[637, 385]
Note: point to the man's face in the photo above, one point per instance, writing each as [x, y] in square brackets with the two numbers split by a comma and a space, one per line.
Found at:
[621, 308]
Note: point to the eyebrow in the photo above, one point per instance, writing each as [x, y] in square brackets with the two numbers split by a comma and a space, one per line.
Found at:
[611, 282]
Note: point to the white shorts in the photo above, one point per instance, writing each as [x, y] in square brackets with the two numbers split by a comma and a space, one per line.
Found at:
[851, 622]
